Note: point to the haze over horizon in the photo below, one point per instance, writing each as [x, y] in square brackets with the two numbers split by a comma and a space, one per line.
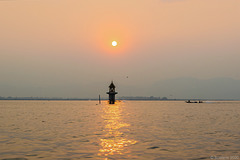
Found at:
[172, 48]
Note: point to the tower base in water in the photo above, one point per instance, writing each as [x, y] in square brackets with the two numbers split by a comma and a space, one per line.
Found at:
[112, 93]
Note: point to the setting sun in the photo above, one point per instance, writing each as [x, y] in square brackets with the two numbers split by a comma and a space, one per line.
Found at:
[114, 43]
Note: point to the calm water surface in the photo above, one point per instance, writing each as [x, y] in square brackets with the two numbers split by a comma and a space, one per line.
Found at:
[154, 130]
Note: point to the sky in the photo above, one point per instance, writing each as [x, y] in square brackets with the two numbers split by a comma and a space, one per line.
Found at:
[62, 48]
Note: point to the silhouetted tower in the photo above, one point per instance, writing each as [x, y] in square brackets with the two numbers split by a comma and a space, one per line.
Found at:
[112, 93]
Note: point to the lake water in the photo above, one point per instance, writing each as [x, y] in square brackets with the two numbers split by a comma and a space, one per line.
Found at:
[151, 130]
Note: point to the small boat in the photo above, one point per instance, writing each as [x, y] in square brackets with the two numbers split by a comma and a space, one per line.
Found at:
[188, 101]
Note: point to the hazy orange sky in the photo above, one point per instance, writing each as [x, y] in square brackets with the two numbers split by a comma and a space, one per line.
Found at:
[62, 48]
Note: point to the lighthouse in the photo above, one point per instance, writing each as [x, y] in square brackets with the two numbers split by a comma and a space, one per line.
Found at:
[112, 93]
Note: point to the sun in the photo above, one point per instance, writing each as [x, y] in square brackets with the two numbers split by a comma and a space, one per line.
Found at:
[114, 43]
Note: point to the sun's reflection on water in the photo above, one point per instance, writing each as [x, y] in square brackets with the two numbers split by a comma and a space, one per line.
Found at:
[115, 142]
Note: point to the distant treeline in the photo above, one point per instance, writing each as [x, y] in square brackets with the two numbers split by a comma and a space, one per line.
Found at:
[137, 98]
[43, 98]
[143, 98]
[57, 98]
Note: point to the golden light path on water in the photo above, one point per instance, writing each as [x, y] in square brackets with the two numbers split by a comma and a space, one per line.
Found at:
[114, 142]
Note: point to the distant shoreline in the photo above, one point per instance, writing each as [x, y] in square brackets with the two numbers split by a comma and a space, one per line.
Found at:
[104, 99]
